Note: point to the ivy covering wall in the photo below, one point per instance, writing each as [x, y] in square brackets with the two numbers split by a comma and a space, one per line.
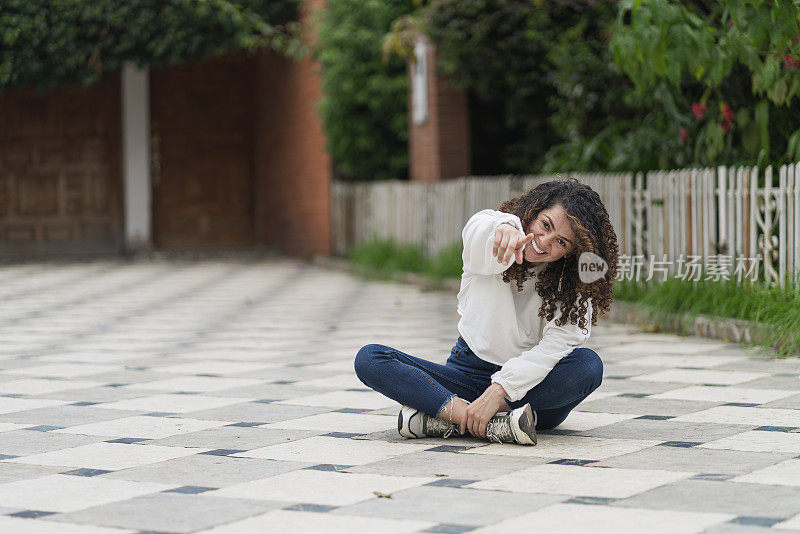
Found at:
[46, 43]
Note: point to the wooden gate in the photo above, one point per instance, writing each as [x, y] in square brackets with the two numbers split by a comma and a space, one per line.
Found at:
[202, 150]
[59, 170]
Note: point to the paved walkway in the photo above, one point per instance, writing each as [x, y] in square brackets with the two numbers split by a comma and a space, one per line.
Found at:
[220, 397]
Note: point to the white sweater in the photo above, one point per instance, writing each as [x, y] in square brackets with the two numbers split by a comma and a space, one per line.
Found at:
[502, 325]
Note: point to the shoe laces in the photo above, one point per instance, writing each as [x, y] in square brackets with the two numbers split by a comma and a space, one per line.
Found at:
[498, 429]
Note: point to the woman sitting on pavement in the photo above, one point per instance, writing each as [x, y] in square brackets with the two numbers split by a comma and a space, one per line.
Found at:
[524, 314]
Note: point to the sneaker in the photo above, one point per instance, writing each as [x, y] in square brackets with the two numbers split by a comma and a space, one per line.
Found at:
[516, 426]
[412, 423]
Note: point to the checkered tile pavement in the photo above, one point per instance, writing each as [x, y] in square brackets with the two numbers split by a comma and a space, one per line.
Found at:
[219, 397]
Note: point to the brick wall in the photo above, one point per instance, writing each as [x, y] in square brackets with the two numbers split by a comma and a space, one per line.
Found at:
[439, 148]
[293, 169]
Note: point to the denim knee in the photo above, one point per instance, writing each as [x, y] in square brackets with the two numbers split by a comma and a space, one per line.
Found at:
[593, 366]
[365, 361]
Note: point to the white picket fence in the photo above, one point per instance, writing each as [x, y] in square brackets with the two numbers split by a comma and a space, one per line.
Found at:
[716, 219]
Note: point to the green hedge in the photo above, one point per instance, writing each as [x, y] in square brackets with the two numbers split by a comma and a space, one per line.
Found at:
[46, 43]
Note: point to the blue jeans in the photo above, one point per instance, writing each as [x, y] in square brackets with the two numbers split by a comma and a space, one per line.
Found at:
[428, 386]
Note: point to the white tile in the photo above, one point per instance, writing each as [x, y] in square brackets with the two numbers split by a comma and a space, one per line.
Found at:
[725, 394]
[692, 376]
[793, 523]
[195, 383]
[358, 423]
[651, 344]
[342, 381]
[329, 450]
[607, 520]
[581, 480]
[742, 415]
[63, 493]
[369, 400]
[39, 386]
[588, 420]
[5, 427]
[17, 525]
[574, 447]
[664, 360]
[223, 367]
[758, 441]
[62, 370]
[174, 403]
[786, 473]
[312, 523]
[319, 487]
[599, 394]
[143, 427]
[12, 404]
[110, 456]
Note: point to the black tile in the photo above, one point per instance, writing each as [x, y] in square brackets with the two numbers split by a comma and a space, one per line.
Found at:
[684, 444]
[591, 500]
[223, 452]
[450, 482]
[328, 467]
[656, 417]
[755, 521]
[85, 472]
[43, 428]
[634, 395]
[185, 393]
[266, 401]
[31, 514]
[160, 414]
[450, 528]
[358, 389]
[209, 375]
[618, 377]
[352, 410]
[342, 434]
[284, 381]
[776, 428]
[127, 440]
[12, 395]
[84, 403]
[714, 477]
[572, 461]
[7, 456]
[742, 404]
[308, 507]
[191, 490]
[115, 385]
[244, 424]
[448, 448]
[788, 375]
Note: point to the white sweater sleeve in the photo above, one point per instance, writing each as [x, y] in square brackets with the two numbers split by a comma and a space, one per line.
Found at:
[521, 373]
[478, 237]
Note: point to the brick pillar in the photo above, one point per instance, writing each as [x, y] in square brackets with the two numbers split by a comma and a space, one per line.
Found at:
[293, 169]
[438, 140]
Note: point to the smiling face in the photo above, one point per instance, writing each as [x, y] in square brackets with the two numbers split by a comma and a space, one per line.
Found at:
[552, 236]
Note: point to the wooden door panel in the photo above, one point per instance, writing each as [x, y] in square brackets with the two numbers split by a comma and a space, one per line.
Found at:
[202, 135]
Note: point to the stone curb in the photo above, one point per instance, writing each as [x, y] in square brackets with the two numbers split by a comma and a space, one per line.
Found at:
[732, 330]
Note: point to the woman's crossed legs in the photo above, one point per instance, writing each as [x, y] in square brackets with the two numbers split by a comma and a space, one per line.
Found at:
[430, 387]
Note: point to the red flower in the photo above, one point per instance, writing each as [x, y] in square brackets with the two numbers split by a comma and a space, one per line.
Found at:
[684, 135]
[726, 126]
[790, 62]
[698, 110]
[727, 112]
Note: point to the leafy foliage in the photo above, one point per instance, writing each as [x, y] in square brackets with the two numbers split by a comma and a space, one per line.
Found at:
[736, 64]
[53, 42]
[364, 107]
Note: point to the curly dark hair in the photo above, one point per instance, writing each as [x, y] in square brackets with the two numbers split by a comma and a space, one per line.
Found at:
[593, 231]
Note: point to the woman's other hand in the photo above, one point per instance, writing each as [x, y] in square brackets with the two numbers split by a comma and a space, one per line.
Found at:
[478, 413]
[509, 243]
